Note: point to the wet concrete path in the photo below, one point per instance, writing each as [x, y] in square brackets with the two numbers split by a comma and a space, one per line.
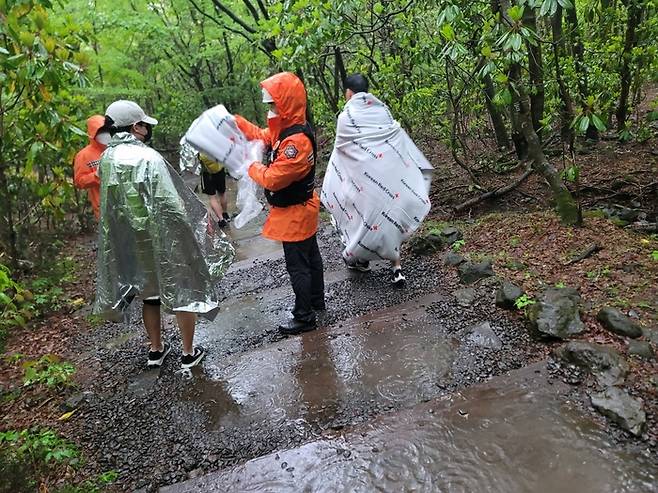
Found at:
[393, 356]
[517, 433]
[392, 367]
[373, 400]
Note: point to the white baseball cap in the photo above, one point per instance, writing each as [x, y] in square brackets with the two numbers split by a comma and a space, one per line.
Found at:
[124, 113]
[267, 97]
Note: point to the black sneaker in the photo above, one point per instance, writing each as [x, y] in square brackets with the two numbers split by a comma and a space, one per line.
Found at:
[358, 265]
[226, 216]
[294, 327]
[157, 357]
[222, 223]
[190, 360]
[398, 278]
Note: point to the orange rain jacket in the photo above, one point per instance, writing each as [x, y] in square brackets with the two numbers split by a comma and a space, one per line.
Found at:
[86, 162]
[294, 160]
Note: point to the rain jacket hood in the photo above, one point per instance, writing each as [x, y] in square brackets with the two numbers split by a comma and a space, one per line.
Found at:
[86, 162]
[289, 95]
[94, 124]
[294, 161]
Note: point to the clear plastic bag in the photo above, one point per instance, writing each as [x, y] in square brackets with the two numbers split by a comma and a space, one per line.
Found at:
[249, 201]
[216, 134]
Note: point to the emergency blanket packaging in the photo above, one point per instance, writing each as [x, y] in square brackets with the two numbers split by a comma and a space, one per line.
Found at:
[216, 134]
[376, 184]
[155, 238]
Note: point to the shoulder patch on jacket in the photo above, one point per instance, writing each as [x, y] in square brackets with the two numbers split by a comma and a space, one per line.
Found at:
[291, 151]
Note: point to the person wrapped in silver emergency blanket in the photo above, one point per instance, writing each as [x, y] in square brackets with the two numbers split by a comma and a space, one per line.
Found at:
[155, 242]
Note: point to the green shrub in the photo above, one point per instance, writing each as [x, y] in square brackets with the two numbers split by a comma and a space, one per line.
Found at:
[49, 371]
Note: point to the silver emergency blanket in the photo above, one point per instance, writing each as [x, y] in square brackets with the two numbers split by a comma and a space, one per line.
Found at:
[377, 182]
[155, 237]
[216, 134]
[188, 164]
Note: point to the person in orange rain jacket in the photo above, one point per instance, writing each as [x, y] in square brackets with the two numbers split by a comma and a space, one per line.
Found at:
[288, 177]
[86, 161]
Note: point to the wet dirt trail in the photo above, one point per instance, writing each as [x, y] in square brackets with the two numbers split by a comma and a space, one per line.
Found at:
[397, 390]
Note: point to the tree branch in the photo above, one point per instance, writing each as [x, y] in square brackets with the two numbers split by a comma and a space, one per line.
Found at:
[496, 193]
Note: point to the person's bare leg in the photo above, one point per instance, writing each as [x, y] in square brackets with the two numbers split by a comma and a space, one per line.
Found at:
[396, 264]
[216, 206]
[151, 317]
[186, 322]
[223, 202]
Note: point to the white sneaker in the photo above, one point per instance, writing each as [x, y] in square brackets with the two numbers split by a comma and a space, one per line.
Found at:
[398, 278]
[358, 265]
[157, 357]
[190, 360]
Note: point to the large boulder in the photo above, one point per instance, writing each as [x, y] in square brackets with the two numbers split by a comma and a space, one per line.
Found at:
[453, 259]
[604, 362]
[615, 321]
[483, 335]
[428, 244]
[650, 334]
[469, 272]
[465, 297]
[557, 314]
[621, 408]
[507, 294]
[451, 235]
[642, 349]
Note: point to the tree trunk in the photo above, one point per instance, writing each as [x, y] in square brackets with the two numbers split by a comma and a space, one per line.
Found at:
[567, 208]
[230, 67]
[578, 52]
[536, 71]
[520, 143]
[5, 196]
[497, 120]
[634, 17]
[10, 239]
[566, 103]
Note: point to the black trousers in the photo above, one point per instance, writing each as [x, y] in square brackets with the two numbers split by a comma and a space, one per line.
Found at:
[304, 265]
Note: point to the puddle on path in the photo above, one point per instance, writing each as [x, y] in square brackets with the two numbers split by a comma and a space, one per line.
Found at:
[517, 433]
[245, 316]
[142, 383]
[393, 356]
[247, 240]
[120, 339]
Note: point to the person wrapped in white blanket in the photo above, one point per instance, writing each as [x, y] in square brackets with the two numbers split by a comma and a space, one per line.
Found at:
[376, 186]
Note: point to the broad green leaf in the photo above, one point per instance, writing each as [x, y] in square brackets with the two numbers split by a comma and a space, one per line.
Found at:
[598, 123]
[583, 124]
[448, 32]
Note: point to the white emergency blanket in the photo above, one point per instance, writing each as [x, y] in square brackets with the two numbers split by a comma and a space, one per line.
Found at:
[374, 187]
[216, 134]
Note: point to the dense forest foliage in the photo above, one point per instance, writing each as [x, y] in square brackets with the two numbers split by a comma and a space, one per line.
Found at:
[469, 75]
